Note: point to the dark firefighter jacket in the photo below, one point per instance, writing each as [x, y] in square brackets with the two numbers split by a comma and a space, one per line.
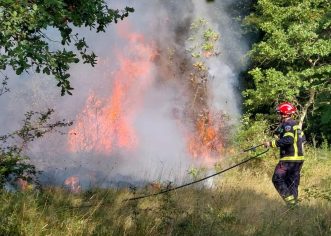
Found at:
[290, 141]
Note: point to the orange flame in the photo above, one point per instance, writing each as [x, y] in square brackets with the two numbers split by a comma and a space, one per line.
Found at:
[22, 184]
[72, 183]
[206, 142]
[105, 124]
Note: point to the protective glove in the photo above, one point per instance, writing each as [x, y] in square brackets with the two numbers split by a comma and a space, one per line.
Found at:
[267, 144]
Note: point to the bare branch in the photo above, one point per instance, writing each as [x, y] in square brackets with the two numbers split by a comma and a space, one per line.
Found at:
[311, 100]
[4, 89]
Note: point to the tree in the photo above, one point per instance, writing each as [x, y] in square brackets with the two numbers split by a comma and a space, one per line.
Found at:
[24, 43]
[292, 61]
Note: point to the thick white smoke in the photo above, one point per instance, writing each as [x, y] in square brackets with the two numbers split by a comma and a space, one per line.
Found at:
[161, 153]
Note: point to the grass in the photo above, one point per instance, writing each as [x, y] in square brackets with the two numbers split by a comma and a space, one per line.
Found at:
[243, 202]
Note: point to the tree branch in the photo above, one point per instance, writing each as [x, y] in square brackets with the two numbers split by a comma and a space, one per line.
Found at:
[4, 89]
[311, 100]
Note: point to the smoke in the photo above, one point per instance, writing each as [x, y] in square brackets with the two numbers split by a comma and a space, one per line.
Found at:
[157, 108]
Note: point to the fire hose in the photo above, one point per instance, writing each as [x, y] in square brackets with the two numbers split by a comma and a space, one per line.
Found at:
[207, 177]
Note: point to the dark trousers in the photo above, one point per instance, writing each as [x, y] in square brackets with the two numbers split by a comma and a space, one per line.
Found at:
[286, 178]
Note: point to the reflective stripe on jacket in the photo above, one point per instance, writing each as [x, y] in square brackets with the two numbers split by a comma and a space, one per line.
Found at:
[290, 141]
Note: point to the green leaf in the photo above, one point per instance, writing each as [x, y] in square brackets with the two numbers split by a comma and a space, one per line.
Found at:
[46, 71]
[19, 70]
[24, 39]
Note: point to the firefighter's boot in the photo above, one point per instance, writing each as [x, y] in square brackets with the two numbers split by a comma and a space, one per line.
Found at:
[290, 201]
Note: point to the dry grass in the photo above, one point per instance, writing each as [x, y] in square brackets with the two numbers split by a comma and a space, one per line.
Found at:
[243, 202]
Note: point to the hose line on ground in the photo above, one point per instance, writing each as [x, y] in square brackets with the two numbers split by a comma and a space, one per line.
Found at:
[207, 177]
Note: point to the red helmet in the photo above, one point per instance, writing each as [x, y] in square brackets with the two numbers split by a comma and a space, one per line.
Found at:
[286, 108]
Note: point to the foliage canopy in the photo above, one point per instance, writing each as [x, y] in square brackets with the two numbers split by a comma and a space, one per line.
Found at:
[292, 61]
[24, 43]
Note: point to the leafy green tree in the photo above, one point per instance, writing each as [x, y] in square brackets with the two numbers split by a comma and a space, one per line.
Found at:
[292, 60]
[24, 43]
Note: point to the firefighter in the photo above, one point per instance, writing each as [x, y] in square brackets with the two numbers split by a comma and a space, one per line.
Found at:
[286, 176]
